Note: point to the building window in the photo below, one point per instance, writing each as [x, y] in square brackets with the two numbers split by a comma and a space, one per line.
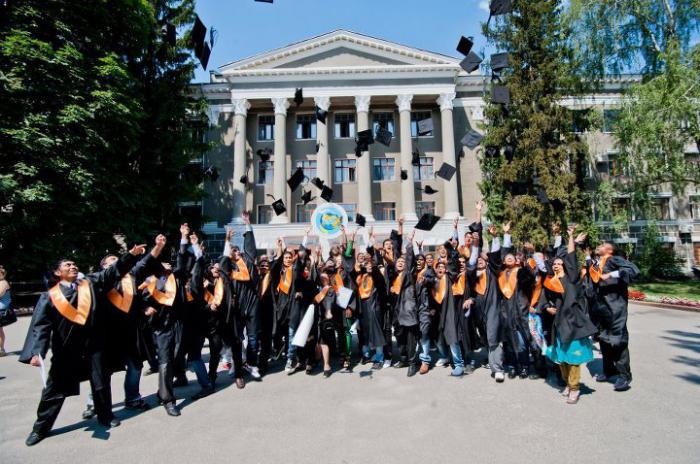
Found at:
[383, 169]
[344, 125]
[385, 120]
[614, 166]
[306, 126]
[424, 170]
[304, 212]
[425, 207]
[265, 172]
[344, 171]
[621, 208]
[581, 121]
[385, 211]
[694, 205]
[309, 167]
[661, 208]
[351, 209]
[609, 119]
[419, 116]
[265, 214]
[266, 127]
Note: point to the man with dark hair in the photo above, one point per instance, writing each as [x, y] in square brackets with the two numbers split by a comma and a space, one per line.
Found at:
[64, 320]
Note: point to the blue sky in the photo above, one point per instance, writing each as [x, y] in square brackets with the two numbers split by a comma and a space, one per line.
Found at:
[246, 27]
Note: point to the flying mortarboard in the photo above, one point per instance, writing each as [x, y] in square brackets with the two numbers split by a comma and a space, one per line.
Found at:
[365, 136]
[427, 222]
[383, 136]
[264, 1]
[446, 171]
[404, 174]
[278, 206]
[306, 197]
[428, 190]
[296, 179]
[327, 193]
[472, 139]
[199, 32]
[243, 179]
[360, 220]
[500, 94]
[204, 57]
[465, 45]
[321, 114]
[425, 126]
[471, 62]
[500, 7]
[299, 97]
[264, 154]
[499, 61]
[318, 183]
[415, 158]
[318, 145]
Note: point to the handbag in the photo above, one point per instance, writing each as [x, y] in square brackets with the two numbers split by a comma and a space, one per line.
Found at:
[7, 316]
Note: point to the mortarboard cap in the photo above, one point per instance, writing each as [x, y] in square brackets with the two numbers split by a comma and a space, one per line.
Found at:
[383, 136]
[500, 7]
[306, 197]
[299, 97]
[472, 139]
[475, 227]
[359, 148]
[243, 179]
[199, 32]
[492, 151]
[465, 45]
[500, 94]
[169, 35]
[425, 126]
[446, 171]
[428, 190]
[365, 136]
[296, 179]
[278, 207]
[509, 152]
[499, 61]
[471, 62]
[516, 188]
[317, 182]
[327, 193]
[360, 220]
[557, 205]
[264, 154]
[427, 221]
[204, 57]
[415, 158]
[404, 174]
[321, 114]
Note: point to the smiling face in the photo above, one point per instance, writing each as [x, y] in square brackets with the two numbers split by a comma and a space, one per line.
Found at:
[429, 260]
[420, 263]
[440, 269]
[66, 270]
[263, 267]
[462, 264]
[509, 260]
[287, 259]
[338, 261]
[442, 251]
[235, 253]
[215, 270]
[481, 263]
[388, 246]
[558, 266]
[400, 264]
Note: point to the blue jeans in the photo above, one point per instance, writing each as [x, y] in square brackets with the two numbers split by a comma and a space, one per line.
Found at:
[132, 380]
[197, 366]
[378, 353]
[425, 352]
[291, 347]
[456, 352]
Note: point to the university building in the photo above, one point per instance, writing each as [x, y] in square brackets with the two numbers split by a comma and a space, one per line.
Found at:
[363, 83]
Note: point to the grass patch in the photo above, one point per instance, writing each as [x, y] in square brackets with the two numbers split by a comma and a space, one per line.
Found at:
[679, 289]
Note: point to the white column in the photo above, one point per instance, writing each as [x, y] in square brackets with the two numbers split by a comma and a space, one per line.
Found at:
[408, 195]
[449, 189]
[240, 110]
[364, 173]
[279, 178]
[323, 168]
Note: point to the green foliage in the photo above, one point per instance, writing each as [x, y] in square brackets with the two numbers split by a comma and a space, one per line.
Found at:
[656, 261]
[540, 129]
[93, 127]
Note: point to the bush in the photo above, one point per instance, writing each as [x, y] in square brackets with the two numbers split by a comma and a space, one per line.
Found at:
[655, 261]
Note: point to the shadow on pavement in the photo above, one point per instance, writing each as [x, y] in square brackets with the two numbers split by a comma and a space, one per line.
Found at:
[688, 341]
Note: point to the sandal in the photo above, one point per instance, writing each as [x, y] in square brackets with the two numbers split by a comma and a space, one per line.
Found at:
[573, 397]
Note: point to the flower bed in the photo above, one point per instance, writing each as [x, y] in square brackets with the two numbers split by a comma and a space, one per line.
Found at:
[636, 295]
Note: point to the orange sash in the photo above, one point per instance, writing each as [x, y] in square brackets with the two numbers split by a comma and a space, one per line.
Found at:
[596, 272]
[439, 294]
[77, 315]
[554, 284]
[321, 295]
[531, 262]
[218, 296]
[508, 286]
[420, 275]
[481, 283]
[122, 301]
[242, 274]
[166, 298]
[536, 292]
[464, 251]
[389, 257]
[365, 284]
[459, 286]
[396, 284]
[285, 282]
[264, 284]
[337, 282]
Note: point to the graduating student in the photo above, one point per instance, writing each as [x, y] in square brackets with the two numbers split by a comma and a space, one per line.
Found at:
[165, 298]
[572, 328]
[611, 276]
[64, 320]
[344, 264]
[266, 312]
[329, 317]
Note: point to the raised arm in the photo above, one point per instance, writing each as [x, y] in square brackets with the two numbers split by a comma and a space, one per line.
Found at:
[249, 247]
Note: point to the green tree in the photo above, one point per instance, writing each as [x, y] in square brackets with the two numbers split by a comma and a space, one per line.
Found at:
[546, 153]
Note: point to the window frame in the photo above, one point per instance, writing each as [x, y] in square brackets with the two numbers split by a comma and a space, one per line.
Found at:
[257, 213]
[354, 168]
[417, 169]
[375, 123]
[272, 131]
[351, 125]
[271, 169]
[301, 207]
[313, 129]
[393, 166]
[375, 210]
[314, 168]
[414, 124]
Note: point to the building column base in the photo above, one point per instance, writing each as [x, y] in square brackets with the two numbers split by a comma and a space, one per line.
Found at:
[369, 217]
[451, 215]
[280, 220]
[410, 217]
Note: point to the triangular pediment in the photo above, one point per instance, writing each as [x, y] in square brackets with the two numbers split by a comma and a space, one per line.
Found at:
[340, 49]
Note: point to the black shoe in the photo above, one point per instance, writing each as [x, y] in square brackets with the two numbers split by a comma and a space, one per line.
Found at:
[400, 364]
[114, 422]
[523, 373]
[33, 439]
[150, 371]
[138, 405]
[511, 374]
[364, 360]
[377, 366]
[412, 370]
[204, 392]
[171, 409]
[622, 384]
[180, 381]
[534, 375]
[327, 373]
[89, 412]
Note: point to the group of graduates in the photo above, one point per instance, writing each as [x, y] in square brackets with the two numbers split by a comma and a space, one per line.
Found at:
[527, 311]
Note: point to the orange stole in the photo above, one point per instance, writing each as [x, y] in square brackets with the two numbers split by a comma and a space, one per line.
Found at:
[77, 315]
[365, 284]
[597, 272]
[166, 298]
[218, 296]
[321, 295]
[536, 292]
[285, 282]
[396, 284]
[122, 301]
[554, 284]
[264, 284]
[508, 286]
[460, 285]
[337, 282]
[464, 251]
[242, 273]
[481, 283]
[439, 294]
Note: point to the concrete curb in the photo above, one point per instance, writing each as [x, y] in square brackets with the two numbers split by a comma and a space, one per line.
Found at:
[665, 306]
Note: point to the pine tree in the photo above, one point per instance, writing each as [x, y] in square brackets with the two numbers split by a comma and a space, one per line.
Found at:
[529, 143]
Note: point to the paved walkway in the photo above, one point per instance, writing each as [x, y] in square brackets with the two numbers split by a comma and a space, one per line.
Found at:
[384, 417]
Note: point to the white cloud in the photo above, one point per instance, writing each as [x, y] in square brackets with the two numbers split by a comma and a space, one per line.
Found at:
[484, 5]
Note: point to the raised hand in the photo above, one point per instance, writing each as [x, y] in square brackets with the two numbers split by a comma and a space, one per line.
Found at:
[411, 235]
[506, 227]
[479, 205]
[184, 230]
[229, 233]
[194, 240]
[245, 215]
[581, 237]
[492, 230]
[571, 229]
[455, 223]
[138, 250]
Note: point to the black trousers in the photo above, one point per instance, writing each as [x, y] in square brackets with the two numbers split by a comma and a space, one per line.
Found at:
[171, 359]
[216, 345]
[616, 360]
[407, 338]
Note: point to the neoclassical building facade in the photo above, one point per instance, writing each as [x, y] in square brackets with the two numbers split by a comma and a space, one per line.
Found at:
[364, 83]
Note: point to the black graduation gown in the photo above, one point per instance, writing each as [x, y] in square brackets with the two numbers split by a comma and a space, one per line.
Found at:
[246, 292]
[486, 306]
[403, 306]
[222, 321]
[73, 346]
[288, 308]
[612, 300]
[372, 309]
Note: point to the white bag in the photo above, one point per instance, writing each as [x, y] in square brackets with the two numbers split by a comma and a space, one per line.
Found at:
[304, 328]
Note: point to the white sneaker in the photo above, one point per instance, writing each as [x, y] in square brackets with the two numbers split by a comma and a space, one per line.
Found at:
[289, 368]
[499, 376]
[387, 363]
[442, 362]
[253, 371]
